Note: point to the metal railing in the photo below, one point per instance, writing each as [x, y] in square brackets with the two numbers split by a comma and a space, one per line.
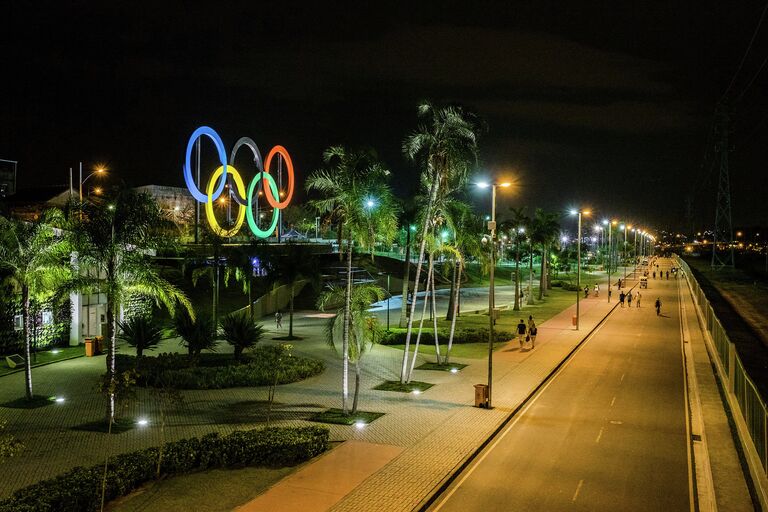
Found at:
[750, 405]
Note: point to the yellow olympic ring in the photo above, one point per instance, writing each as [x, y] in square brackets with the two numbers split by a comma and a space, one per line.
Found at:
[215, 226]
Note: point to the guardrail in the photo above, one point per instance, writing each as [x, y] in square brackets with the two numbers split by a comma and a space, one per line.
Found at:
[749, 408]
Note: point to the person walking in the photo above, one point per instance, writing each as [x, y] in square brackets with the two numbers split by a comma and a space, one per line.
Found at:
[622, 296]
[532, 333]
[521, 332]
[629, 299]
[637, 298]
[658, 306]
[667, 275]
[597, 290]
[531, 322]
[586, 291]
[654, 274]
[279, 319]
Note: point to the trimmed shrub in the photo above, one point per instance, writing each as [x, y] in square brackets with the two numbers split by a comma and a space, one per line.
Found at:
[218, 371]
[79, 489]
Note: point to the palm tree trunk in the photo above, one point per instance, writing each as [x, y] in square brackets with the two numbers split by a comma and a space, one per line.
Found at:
[434, 316]
[358, 375]
[27, 341]
[517, 277]
[406, 276]
[422, 247]
[449, 314]
[111, 348]
[530, 276]
[250, 298]
[290, 315]
[543, 268]
[345, 337]
[340, 239]
[455, 314]
[421, 321]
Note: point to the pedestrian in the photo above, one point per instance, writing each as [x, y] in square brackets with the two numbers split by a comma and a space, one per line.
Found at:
[637, 298]
[658, 306]
[531, 323]
[586, 291]
[667, 275]
[629, 299]
[597, 290]
[654, 274]
[279, 319]
[610, 292]
[521, 332]
[532, 332]
[619, 284]
[622, 296]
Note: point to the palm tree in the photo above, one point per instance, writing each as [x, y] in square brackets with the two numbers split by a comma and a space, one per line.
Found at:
[239, 330]
[517, 227]
[34, 262]
[409, 214]
[294, 263]
[141, 333]
[446, 147]
[544, 230]
[344, 184]
[113, 239]
[363, 295]
[197, 334]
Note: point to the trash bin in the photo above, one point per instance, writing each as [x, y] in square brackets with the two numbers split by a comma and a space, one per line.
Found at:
[99, 344]
[90, 347]
[481, 395]
[573, 320]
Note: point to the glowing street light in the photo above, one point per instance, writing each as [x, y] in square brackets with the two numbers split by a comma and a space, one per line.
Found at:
[491, 293]
[578, 261]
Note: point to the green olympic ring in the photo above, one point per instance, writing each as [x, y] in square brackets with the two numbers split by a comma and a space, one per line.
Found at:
[249, 212]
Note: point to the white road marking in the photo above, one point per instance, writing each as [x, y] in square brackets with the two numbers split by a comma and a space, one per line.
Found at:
[613, 401]
[599, 435]
[622, 377]
[616, 422]
[578, 488]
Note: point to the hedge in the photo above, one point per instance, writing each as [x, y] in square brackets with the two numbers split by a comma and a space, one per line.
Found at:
[80, 488]
[217, 371]
[460, 336]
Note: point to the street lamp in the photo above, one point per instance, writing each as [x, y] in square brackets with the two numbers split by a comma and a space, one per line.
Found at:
[491, 298]
[99, 170]
[578, 261]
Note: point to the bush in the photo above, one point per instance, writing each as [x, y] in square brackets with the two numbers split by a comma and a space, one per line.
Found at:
[460, 336]
[217, 371]
[79, 489]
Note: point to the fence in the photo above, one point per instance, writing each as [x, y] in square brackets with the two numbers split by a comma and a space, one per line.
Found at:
[742, 394]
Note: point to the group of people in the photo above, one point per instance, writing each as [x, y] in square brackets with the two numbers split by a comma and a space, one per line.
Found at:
[628, 297]
[527, 333]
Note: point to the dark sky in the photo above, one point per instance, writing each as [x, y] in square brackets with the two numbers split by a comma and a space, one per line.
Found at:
[601, 103]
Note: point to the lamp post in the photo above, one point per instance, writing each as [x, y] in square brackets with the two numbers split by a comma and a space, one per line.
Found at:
[610, 258]
[491, 298]
[578, 262]
[97, 171]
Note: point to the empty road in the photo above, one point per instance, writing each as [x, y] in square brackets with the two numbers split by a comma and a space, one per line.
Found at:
[607, 433]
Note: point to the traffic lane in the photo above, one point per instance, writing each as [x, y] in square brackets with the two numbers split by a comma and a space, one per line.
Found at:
[607, 434]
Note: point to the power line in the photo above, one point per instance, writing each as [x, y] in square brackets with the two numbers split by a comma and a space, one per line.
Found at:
[744, 58]
[752, 80]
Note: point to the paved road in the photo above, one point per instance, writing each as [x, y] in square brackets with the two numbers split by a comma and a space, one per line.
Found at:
[608, 433]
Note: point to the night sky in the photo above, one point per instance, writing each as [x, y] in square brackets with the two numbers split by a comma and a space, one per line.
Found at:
[603, 104]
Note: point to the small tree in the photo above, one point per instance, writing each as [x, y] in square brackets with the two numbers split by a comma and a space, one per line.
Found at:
[239, 330]
[274, 359]
[141, 333]
[196, 335]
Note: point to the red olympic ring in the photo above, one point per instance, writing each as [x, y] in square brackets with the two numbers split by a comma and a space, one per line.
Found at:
[274, 201]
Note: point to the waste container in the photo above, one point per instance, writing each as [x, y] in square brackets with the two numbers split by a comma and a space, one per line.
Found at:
[90, 347]
[573, 320]
[481, 395]
[99, 342]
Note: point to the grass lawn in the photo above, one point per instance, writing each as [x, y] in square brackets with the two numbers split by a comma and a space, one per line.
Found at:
[336, 417]
[452, 367]
[46, 357]
[228, 487]
[462, 350]
[36, 402]
[395, 385]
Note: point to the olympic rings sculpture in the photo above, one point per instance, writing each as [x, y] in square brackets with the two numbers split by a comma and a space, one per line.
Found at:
[242, 196]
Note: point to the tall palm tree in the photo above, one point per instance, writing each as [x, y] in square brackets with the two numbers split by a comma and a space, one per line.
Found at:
[113, 239]
[363, 295]
[409, 215]
[517, 227]
[345, 182]
[294, 263]
[34, 260]
[445, 145]
[544, 230]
